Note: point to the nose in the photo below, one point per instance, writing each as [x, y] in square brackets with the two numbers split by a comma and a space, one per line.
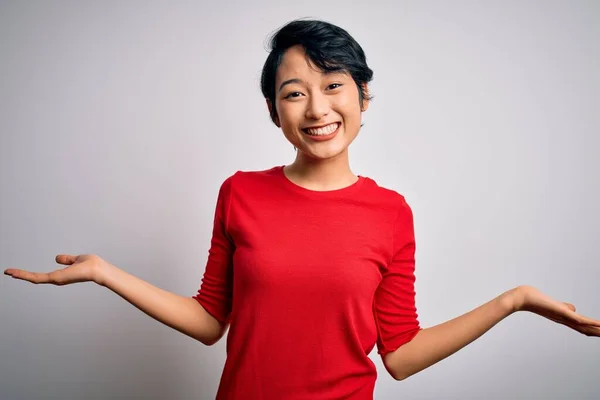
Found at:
[318, 106]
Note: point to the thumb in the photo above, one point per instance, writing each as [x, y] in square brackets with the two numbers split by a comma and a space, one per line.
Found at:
[65, 259]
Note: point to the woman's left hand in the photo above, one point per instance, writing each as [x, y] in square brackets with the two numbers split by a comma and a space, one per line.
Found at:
[531, 299]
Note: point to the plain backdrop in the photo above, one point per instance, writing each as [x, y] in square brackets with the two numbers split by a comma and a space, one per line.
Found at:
[119, 120]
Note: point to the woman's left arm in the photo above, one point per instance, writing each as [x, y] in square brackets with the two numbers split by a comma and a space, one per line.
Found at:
[434, 344]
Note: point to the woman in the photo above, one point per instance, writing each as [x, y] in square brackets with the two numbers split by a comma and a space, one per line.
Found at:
[311, 266]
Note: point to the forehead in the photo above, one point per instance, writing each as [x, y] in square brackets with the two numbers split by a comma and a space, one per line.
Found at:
[296, 64]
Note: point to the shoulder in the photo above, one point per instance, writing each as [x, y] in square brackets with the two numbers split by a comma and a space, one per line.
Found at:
[242, 177]
[387, 196]
[253, 179]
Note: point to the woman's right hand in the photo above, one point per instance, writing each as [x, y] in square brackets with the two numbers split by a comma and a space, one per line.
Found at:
[82, 268]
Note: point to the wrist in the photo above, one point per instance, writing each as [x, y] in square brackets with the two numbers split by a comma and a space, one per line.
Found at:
[517, 297]
[99, 273]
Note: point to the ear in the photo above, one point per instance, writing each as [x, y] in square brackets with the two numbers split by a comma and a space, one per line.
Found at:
[274, 118]
[365, 102]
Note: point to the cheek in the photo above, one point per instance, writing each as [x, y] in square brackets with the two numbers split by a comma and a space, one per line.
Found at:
[286, 118]
[348, 101]
[290, 114]
[349, 108]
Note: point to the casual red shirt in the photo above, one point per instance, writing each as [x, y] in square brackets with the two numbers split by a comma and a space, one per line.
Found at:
[310, 281]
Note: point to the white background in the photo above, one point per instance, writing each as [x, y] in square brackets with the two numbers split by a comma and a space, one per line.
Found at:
[119, 121]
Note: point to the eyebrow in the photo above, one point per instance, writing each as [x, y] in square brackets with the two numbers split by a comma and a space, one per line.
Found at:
[289, 81]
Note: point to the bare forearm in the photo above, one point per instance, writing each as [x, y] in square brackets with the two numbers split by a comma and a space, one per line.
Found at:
[433, 344]
[184, 314]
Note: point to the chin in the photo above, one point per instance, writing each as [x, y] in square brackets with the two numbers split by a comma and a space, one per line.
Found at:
[323, 154]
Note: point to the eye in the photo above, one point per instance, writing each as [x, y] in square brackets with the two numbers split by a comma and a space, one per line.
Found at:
[292, 95]
[334, 86]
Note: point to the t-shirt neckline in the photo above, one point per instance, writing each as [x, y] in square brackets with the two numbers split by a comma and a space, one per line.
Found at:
[319, 193]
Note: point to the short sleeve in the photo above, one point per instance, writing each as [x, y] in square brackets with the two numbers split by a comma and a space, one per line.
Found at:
[394, 303]
[215, 293]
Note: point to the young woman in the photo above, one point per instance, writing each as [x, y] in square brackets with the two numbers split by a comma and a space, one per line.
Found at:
[311, 266]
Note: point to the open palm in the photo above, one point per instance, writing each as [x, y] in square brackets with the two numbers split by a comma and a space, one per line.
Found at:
[79, 269]
[563, 313]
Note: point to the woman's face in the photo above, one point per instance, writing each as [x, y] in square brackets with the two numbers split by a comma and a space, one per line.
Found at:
[307, 99]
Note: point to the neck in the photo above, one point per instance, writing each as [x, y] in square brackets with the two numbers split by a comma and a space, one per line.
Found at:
[328, 174]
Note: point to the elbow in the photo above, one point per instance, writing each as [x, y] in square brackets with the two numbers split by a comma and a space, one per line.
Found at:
[397, 368]
[206, 328]
[391, 369]
[213, 336]
[404, 361]
[395, 374]
[207, 341]
[400, 376]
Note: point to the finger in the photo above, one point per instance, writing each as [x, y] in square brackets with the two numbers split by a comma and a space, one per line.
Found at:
[586, 329]
[33, 277]
[570, 317]
[65, 259]
[594, 331]
[570, 314]
[580, 319]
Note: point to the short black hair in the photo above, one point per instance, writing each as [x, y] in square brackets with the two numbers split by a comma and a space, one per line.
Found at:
[328, 46]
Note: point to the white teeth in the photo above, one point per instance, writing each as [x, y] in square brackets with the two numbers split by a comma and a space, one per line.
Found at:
[326, 130]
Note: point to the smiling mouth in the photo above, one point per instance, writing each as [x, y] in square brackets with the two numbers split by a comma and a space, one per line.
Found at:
[322, 131]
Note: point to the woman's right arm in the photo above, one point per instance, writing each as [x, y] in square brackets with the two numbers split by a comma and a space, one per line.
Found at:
[184, 314]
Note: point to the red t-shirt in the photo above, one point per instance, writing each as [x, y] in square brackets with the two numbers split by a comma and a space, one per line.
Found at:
[309, 281]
